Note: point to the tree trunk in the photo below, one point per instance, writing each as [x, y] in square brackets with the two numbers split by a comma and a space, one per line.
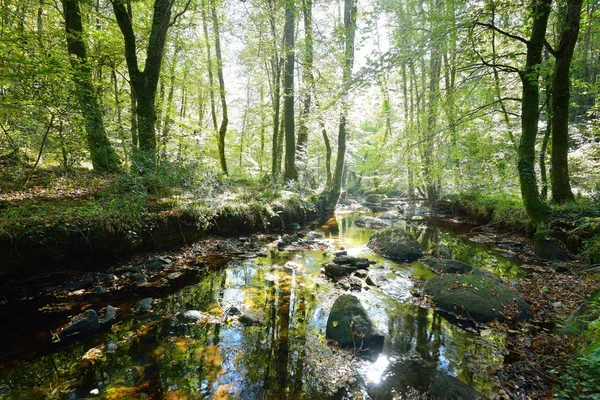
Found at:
[104, 158]
[561, 187]
[335, 188]
[209, 63]
[288, 90]
[225, 120]
[534, 206]
[308, 79]
[145, 82]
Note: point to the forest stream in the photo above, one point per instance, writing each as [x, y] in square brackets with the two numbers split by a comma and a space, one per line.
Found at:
[255, 326]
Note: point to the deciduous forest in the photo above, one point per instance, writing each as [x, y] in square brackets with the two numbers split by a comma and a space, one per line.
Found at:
[300, 199]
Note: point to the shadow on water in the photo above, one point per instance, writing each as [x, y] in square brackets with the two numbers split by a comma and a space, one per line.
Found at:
[283, 352]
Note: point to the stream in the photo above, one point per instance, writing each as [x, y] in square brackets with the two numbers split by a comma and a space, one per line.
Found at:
[279, 350]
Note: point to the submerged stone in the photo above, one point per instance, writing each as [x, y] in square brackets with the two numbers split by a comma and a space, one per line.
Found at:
[350, 326]
[396, 244]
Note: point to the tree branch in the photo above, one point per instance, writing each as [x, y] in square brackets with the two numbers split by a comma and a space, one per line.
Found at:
[176, 17]
[502, 32]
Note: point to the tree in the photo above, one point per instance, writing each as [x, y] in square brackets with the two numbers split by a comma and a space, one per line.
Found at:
[225, 119]
[144, 82]
[308, 80]
[536, 209]
[103, 156]
[288, 89]
[561, 187]
[334, 190]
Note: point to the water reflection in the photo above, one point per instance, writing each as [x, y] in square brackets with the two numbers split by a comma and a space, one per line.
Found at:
[157, 356]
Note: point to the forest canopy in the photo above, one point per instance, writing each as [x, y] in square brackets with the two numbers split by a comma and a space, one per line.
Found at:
[426, 98]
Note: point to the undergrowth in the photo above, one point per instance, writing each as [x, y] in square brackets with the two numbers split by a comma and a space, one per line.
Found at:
[503, 209]
[581, 380]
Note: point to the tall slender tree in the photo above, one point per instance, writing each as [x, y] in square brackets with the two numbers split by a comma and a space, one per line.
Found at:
[561, 80]
[103, 156]
[350, 11]
[225, 117]
[288, 89]
[536, 209]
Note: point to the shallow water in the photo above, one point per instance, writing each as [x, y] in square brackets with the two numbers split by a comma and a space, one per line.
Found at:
[153, 355]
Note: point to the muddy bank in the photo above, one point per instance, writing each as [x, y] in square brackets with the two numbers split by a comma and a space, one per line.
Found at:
[61, 246]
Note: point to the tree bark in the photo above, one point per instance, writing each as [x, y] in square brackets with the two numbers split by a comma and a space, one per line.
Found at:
[561, 186]
[103, 156]
[288, 89]
[145, 83]
[225, 119]
[350, 10]
[308, 79]
[534, 206]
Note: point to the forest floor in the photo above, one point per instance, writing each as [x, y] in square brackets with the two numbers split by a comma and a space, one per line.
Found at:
[539, 363]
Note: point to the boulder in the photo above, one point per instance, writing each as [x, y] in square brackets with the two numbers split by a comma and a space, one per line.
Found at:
[448, 387]
[158, 263]
[374, 198]
[548, 248]
[481, 298]
[371, 222]
[358, 262]
[190, 316]
[446, 266]
[441, 251]
[396, 244]
[350, 326]
[82, 284]
[334, 271]
[145, 304]
[109, 314]
[86, 322]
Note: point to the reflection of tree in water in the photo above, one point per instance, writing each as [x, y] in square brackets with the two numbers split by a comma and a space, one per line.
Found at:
[275, 356]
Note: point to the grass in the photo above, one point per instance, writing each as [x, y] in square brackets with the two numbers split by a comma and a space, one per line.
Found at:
[503, 209]
[85, 201]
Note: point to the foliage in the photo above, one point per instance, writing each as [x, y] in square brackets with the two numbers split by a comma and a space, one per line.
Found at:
[581, 380]
[503, 209]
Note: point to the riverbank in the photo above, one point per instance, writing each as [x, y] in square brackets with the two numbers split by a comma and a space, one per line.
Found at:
[86, 219]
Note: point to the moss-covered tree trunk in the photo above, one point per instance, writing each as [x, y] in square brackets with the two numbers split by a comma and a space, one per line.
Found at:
[103, 156]
[288, 90]
[561, 186]
[145, 83]
[536, 209]
[308, 79]
[225, 119]
[334, 190]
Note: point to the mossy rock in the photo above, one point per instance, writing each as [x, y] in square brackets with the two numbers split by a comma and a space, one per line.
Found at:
[396, 244]
[481, 298]
[374, 198]
[446, 266]
[350, 326]
[445, 386]
[371, 222]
